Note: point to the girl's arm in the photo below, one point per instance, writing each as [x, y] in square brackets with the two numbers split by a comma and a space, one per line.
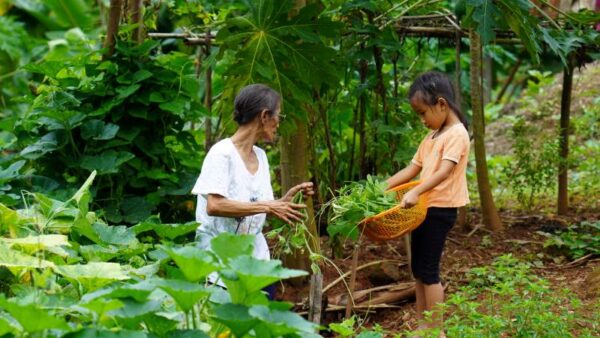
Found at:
[411, 198]
[404, 175]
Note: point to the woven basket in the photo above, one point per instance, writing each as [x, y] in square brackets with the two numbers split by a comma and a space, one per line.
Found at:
[396, 221]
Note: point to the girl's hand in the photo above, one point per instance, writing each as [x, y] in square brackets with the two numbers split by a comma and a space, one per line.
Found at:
[286, 211]
[306, 187]
[410, 199]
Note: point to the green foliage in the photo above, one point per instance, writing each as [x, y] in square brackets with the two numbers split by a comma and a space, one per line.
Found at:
[534, 166]
[55, 291]
[577, 240]
[126, 118]
[266, 44]
[352, 327]
[355, 202]
[507, 298]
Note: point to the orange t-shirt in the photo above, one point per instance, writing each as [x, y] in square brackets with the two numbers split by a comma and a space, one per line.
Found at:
[453, 144]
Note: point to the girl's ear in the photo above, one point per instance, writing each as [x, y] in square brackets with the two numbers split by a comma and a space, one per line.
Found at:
[443, 103]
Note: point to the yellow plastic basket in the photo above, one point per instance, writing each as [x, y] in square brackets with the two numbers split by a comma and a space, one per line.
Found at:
[396, 221]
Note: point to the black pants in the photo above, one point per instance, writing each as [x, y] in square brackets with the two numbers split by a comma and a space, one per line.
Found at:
[427, 244]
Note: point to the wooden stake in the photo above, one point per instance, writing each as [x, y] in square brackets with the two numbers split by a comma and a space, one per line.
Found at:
[350, 302]
[315, 298]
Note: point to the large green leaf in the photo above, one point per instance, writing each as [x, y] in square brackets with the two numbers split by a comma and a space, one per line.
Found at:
[98, 333]
[138, 291]
[132, 313]
[44, 145]
[8, 325]
[117, 235]
[228, 246]
[236, 317]
[33, 244]
[484, 13]
[15, 259]
[185, 294]
[71, 13]
[167, 231]
[288, 53]
[281, 323]
[98, 130]
[249, 275]
[162, 324]
[31, 316]
[106, 163]
[195, 263]
[92, 275]
[11, 172]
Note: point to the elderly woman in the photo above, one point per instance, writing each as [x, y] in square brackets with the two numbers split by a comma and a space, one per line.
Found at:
[234, 187]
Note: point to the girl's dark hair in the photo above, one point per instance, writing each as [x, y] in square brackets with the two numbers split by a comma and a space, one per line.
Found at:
[253, 99]
[433, 86]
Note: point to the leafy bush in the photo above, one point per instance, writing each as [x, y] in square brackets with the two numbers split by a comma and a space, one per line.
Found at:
[65, 273]
[507, 299]
[128, 118]
[577, 240]
[534, 167]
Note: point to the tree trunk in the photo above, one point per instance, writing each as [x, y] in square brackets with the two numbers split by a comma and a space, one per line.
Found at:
[488, 209]
[294, 170]
[114, 17]
[135, 17]
[461, 220]
[565, 111]
[509, 80]
[209, 138]
[362, 111]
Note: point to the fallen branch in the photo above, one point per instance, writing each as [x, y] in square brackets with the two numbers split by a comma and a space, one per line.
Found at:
[453, 240]
[356, 308]
[341, 299]
[575, 263]
[339, 279]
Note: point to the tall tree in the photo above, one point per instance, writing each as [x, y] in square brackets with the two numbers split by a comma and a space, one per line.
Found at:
[488, 208]
[295, 157]
[565, 112]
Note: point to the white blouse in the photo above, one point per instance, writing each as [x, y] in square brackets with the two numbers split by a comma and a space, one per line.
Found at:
[224, 173]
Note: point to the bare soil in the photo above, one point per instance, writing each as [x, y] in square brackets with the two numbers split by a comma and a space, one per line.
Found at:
[462, 252]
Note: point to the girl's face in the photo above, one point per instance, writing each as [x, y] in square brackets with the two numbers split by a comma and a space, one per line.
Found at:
[432, 116]
[270, 122]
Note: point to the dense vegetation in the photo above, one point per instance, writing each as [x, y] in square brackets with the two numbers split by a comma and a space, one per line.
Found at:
[100, 151]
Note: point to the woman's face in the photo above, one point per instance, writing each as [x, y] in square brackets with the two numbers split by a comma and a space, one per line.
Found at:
[432, 116]
[270, 123]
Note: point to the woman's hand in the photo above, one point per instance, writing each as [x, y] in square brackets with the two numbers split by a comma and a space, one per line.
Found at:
[410, 199]
[286, 210]
[306, 187]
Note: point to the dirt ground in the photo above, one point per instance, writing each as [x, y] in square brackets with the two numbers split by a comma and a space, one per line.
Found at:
[464, 249]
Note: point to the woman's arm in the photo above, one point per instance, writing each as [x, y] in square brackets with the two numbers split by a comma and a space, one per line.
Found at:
[404, 175]
[411, 198]
[217, 205]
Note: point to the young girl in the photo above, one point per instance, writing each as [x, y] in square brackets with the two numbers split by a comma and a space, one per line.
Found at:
[442, 161]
